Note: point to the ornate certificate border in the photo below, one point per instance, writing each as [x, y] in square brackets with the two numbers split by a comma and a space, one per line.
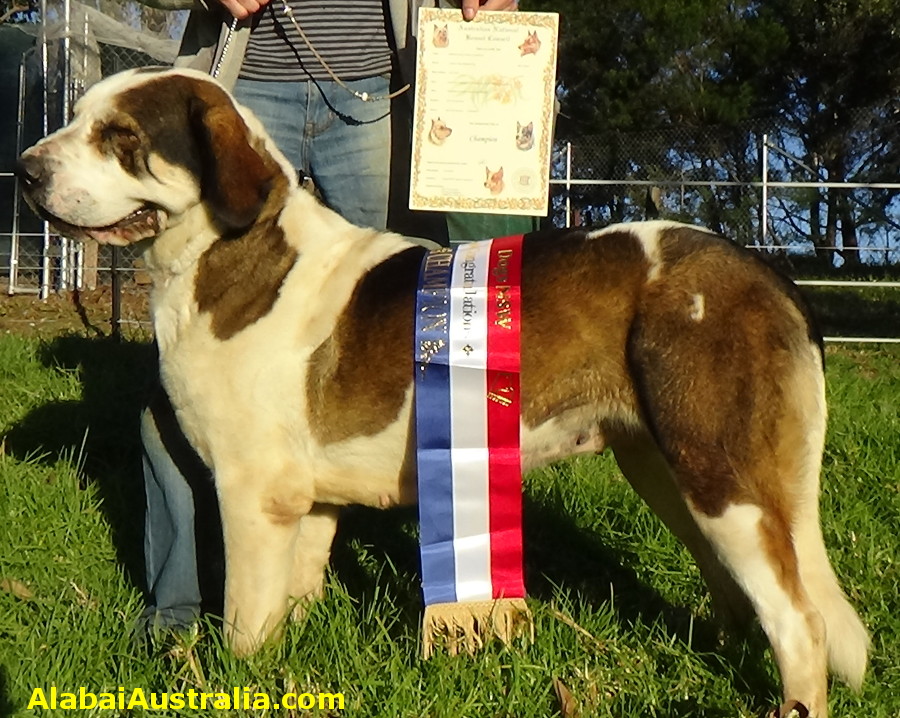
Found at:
[484, 111]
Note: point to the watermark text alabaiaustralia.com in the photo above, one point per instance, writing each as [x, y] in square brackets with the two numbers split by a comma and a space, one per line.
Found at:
[81, 698]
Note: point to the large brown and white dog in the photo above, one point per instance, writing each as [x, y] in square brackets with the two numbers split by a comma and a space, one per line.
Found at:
[285, 338]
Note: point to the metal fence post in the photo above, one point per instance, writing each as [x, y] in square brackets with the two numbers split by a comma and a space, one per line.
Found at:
[116, 319]
[14, 239]
[764, 214]
[568, 184]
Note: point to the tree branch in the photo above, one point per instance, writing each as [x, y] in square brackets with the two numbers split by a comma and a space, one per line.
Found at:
[12, 11]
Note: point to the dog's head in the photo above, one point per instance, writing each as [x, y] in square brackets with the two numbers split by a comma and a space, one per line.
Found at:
[143, 148]
[439, 131]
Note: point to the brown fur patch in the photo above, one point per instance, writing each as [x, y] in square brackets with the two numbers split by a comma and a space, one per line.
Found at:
[238, 174]
[239, 277]
[775, 536]
[238, 280]
[123, 138]
[578, 298]
[162, 113]
[572, 288]
[359, 376]
[708, 386]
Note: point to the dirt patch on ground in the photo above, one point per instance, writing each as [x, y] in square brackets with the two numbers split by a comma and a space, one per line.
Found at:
[88, 312]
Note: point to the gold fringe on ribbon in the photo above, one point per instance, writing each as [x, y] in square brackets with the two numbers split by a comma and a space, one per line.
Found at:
[466, 626]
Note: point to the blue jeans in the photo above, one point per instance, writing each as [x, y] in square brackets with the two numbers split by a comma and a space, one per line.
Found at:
[344, 144]
[183, 554]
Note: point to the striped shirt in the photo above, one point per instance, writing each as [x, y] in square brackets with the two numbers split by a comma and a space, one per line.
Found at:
[350, 35]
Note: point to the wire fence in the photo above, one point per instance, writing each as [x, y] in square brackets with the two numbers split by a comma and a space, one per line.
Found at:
[740, 183]
[749, 183]
[77, 44]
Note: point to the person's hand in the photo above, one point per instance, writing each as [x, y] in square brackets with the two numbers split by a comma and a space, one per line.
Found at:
[245, 8]
[470, 8]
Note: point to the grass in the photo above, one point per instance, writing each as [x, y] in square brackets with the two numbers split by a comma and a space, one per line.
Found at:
[855, 311]
[623, 620]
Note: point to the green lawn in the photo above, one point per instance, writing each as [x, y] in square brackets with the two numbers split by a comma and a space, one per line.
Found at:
[623, 621]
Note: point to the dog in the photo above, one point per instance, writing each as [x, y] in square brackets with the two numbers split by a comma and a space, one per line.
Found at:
[285, 337]
[493, 181]
[531, 45]
[439, 132]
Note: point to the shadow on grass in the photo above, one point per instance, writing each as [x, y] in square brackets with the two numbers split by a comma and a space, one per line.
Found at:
[559, 556]
[565, 557]
[375, 552]
[855, 312]
[6, 706]
[100, 430]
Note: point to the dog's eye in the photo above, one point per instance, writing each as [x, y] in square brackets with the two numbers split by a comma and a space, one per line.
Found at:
[125, 144]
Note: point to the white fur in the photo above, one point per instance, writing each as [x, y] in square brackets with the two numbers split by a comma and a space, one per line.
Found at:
[796, 630]
[698, 307]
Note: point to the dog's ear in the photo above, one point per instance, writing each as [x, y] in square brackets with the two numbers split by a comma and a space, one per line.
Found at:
[235, 178]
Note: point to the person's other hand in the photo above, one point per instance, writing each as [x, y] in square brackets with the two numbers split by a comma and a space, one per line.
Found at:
[470, 8]
[245, 8]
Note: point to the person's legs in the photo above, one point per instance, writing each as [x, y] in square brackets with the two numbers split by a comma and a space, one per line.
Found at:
[169, 546]
[181, 527]
[343, 143]
[282, 109]
[349, 149]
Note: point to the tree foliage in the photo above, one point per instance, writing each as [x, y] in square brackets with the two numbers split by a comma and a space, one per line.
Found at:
[841, 94]
[823, 74]
[649, 63]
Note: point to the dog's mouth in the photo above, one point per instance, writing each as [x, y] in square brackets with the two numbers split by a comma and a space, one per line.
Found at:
[144, 222]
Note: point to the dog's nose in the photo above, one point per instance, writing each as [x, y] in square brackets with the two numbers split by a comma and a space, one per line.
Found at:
[30, 171]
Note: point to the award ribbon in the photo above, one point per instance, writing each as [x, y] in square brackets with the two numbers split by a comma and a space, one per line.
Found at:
[468, 326]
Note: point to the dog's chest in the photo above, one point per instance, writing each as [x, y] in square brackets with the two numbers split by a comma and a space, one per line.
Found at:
[247, 389]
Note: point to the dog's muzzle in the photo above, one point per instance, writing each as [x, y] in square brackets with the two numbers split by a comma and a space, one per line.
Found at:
[32, 173]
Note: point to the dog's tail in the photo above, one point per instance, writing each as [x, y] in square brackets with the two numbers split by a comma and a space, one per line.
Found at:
[846, 638]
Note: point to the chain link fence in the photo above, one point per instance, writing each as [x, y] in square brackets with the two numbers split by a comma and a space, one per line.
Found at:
[77, 44]
[750, 183]
[746, 183]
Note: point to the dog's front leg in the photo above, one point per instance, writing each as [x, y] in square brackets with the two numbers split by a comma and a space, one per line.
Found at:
[311, 553]
[260, 526]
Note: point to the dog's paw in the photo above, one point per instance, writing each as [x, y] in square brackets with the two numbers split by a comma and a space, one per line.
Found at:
[790, 709]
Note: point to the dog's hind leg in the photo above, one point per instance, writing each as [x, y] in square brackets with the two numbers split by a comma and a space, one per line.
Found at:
[312, 550]
[734, 397]
[650, 476]
[847, 639]
[757, 547]
[741, 489]
[769, 535]
[743, 552]
[260, 531]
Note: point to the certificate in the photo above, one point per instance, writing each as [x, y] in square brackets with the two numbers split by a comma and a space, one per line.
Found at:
[484, 111]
